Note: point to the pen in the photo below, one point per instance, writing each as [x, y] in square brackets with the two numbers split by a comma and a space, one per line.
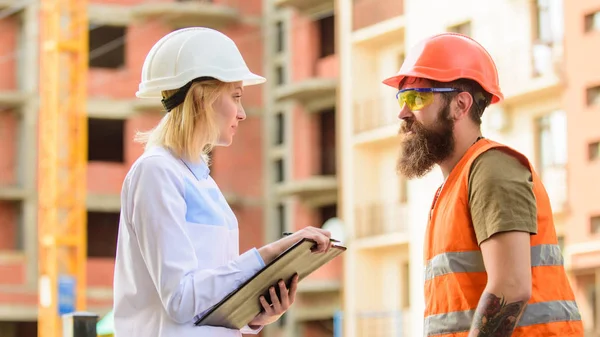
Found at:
[331, 239]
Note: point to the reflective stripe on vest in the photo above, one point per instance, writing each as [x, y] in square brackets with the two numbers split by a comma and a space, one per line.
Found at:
[535, 313]
[472, 262]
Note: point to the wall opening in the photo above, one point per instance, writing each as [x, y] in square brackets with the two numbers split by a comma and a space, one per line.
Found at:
[326, 36]
[102, 230]
[279, 171]
[107, 47]
[11, 225]
[594, 151]
[462, 28]
[106, 140]
[280, 40]
[328, 142]
[326, 213]
[279, 128]
[595, 224]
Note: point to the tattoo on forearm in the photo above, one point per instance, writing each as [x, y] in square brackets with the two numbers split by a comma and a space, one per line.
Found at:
[494, 317]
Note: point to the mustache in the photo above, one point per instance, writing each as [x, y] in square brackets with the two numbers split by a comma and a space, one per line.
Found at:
[410, 124]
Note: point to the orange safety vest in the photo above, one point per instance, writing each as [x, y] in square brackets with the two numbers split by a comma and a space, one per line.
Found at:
[455, 275]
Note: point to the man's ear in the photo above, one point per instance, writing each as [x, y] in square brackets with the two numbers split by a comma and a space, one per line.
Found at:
[463, 102]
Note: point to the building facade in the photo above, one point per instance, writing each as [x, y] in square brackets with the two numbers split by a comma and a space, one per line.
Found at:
[544, 77]
[300, 147]
[581, 101]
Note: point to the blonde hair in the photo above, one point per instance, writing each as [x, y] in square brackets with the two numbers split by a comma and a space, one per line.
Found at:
[189, 130]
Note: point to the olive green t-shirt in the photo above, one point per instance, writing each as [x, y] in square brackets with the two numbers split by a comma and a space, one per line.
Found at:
[501, 195]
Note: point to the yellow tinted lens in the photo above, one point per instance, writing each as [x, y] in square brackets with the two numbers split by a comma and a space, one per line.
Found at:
[415, 100]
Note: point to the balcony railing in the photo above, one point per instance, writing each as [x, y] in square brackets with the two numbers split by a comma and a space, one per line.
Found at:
[376, 219]
[382, 323]
[546, 59]
[374, 113]
[369, 12]
[554, 179]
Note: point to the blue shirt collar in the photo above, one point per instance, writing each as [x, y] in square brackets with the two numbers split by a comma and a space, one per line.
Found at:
[199, 169]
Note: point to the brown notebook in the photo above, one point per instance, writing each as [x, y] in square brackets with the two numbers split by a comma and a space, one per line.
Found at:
[238, 308]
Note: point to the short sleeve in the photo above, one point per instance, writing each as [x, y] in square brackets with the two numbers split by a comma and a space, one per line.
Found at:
[501, 195]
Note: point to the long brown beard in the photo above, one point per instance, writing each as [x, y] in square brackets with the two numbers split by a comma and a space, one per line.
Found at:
[426, 146]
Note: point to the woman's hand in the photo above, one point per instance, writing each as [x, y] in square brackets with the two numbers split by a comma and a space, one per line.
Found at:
[322, 238]
[279, 305]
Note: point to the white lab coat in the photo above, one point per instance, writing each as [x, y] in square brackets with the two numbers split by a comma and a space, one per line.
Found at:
[177, 250]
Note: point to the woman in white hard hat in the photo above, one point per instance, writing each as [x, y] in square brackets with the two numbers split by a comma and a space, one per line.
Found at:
[177, 251]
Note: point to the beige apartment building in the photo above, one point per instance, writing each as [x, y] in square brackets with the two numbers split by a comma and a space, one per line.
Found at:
[386, 215]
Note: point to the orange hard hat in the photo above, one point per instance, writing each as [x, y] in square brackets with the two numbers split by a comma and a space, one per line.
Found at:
[447, 57]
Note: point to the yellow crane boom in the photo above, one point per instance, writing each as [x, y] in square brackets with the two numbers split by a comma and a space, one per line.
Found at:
[62, 229]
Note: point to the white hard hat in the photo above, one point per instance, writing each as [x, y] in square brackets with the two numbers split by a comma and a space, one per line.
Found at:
[190, 53]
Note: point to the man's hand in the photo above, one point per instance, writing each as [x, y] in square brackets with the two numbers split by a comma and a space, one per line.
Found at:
[279, 306]
[507, 259]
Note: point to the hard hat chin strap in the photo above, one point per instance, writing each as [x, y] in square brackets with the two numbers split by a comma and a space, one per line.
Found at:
[178, 97]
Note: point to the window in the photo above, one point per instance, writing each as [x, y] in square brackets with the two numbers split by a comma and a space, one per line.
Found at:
[327, 36]
[11, 225]
[592, 22]
[102, 230]
[401, 58]
[107, 47]
[594, 151]
[593, 96]
[106, 140]
[279, 42]
[463, 28]
[548, 22]
[595, 224]
[591, 297]
[552, 140]
[279, 171]
[327, 212]
[280, 75]
[552, 156]
[279, 128]
[281, 219]
[328, 135]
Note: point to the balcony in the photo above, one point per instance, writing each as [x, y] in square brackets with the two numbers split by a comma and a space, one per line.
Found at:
[14, 193]
[554, 179]
[211, 13]
[369, 12]
[12, 99]
[315, 191]
[374, 113]
[109, 14]
[393, 323]
[538, 72]
[381, 224]
[307, 7]
[314, 93]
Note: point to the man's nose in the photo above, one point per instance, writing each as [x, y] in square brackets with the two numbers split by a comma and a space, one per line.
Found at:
[405, 113]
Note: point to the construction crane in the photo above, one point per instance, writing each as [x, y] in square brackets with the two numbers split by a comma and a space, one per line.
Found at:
[62, 228]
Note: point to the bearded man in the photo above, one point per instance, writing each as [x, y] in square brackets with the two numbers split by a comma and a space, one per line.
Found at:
[493, 266]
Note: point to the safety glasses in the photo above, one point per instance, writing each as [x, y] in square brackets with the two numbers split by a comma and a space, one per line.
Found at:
[418, 98]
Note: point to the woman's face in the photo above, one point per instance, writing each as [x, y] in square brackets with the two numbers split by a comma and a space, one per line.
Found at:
[229, 112]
